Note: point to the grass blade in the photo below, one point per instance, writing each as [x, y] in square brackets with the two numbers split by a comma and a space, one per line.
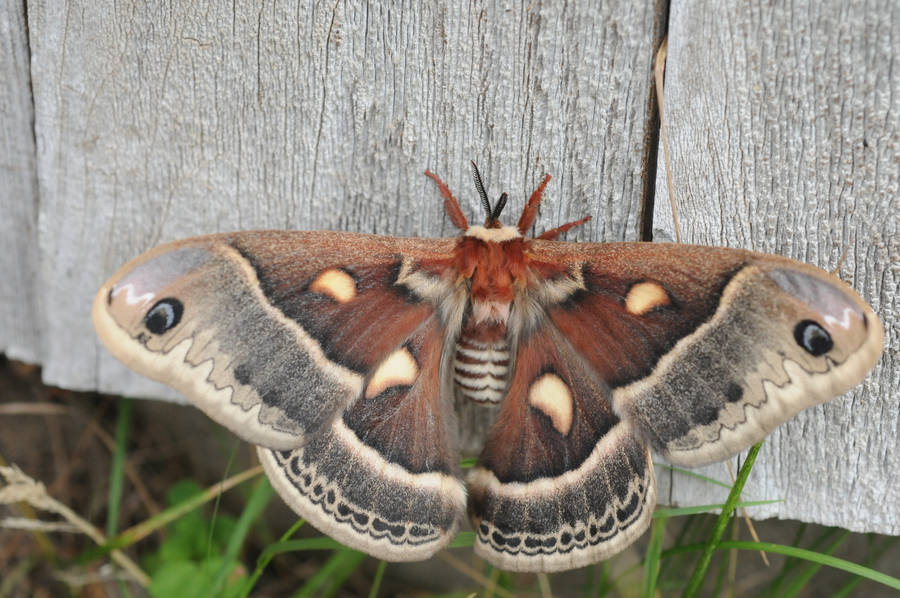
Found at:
[682, 511]
[812, 568]
[798, 553]
[850, 586]
[734, 495]
[148, 526]
[463, 540]
[692, 474]
[259, 498]
[265, 558]
[334, 571]
[651, 562]
[376, 583]
[319, 543]
[117, 471]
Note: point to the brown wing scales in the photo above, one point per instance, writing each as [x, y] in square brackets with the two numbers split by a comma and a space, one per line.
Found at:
[561, 482]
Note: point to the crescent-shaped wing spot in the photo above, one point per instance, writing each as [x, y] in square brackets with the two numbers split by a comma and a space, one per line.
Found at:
[645, 296]
[552, 397]
[336, 284]
[399, 369]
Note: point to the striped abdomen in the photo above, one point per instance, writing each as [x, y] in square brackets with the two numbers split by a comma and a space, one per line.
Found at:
[481, 367]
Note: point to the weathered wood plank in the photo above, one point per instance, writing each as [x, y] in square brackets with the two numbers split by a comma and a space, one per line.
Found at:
[784, 124]
[20, 330]
[163, 123]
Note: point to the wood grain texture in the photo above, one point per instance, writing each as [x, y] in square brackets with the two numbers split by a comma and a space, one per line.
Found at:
[157, 124]
[784, 126]
[20, 329]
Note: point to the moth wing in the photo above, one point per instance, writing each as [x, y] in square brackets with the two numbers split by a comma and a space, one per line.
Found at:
[706, 350]
[325, 349]
[273, 334]
[700, 351]
[562, 482]
[383, 477]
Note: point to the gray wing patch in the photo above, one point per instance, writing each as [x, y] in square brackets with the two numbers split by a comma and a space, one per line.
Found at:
[235, 356]
[575, 519]
[783, 339]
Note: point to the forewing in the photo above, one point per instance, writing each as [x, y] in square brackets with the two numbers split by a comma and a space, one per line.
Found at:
[706, 350]
[272, 334]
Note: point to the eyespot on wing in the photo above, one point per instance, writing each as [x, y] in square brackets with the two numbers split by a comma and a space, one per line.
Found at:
[191, 315]
[828, 317]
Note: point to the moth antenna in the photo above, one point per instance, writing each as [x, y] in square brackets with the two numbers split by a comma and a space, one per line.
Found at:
[480, 186]
[501, 203]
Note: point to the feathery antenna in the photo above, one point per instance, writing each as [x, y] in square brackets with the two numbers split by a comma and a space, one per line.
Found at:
[480, 186]
[495, 215]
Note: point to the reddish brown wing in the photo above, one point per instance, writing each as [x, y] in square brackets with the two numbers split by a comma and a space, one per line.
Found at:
[383, 478]
[700, 351]
[324, 341]
[271, 333]
[705, 349]
[562, 482]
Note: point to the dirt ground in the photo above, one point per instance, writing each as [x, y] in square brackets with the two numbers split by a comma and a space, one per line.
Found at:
[65, 440]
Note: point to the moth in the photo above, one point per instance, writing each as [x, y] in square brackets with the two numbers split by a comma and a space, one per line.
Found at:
[341, 356]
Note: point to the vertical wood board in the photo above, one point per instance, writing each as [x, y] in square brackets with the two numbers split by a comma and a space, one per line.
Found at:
[160, 122]
[20, 335]
[156, 123]
[784, 130]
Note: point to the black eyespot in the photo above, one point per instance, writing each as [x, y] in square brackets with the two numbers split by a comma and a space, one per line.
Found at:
[164, 316]
[813, 338]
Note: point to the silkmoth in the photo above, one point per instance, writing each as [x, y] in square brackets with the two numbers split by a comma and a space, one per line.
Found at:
[341, 356]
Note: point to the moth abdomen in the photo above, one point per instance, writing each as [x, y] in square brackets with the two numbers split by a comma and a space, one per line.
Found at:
[481, 364]
[481, 370]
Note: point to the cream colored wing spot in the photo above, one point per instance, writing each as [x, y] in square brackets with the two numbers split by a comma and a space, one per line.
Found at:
[336, 284]
[552, 397]
[644, 296]
[399, 369]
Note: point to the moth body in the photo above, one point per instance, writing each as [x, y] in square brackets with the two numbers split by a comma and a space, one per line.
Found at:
[481, 361]
[491, 264]
[340, 355]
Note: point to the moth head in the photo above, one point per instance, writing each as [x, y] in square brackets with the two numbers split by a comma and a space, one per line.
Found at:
[493, 230]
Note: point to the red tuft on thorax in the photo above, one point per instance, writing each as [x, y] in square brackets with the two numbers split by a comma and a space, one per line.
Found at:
[493, 267]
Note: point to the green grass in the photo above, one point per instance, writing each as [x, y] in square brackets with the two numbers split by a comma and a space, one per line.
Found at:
[204, 551]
